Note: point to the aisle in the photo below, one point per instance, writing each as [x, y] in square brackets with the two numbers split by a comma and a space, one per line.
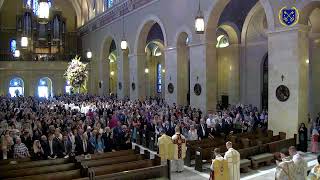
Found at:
[263, 173]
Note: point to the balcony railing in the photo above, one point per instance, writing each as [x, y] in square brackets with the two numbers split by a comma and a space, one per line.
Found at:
[39, 57]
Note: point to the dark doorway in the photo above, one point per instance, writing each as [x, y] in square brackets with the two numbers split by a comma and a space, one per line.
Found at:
[264, 95]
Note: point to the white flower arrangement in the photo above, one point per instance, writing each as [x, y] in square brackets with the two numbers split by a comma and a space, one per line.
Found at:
[76, 73]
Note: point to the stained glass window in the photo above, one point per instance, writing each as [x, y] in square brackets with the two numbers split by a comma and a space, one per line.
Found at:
[13, 45]
[34, 4]
[35, 7]
[108, 4]
[159, 78]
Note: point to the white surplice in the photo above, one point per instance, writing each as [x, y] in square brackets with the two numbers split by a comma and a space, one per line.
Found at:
[301, 166]
[233, 158]
[286, 170]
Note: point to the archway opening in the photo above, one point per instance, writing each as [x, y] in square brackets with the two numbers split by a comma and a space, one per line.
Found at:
[154, 71]
[45, 88]
[113, 68]
[16, 87]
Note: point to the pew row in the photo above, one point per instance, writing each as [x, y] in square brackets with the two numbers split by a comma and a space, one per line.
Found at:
[250, 156]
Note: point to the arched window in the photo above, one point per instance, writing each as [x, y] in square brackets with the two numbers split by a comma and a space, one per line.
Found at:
[34, 4]
[159, 78]
[45, 88]
[222, 41]
[16, 87]
[108, 4]
[13, 45]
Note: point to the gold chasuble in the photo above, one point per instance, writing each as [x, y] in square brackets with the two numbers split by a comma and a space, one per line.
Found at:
[315, 173]
[220, 169]
[165, 147]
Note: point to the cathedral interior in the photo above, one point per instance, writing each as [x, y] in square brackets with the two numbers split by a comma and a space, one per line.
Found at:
[202, 54]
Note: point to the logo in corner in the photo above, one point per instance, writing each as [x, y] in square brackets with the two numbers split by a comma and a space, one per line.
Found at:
[289, 17]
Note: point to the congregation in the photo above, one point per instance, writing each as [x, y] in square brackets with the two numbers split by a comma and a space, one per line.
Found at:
[58, 127]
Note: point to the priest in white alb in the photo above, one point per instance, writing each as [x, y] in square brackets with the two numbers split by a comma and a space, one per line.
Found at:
[286, 169]
[301, 164]
[179, 151]
[233, 158]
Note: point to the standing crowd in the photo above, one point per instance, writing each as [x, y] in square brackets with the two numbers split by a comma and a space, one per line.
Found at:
[85, 124]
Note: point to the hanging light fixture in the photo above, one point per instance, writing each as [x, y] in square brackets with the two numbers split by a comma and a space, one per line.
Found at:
[146, 70]
[123, 44]
[199, 21]
[44, 9]
[24, 41]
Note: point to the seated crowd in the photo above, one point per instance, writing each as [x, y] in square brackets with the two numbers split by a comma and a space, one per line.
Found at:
[59, 127]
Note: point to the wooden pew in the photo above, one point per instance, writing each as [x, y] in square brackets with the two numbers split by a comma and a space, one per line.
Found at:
[193, 145]
[65, 175]
[120, 167]
[37, 170]
[7, 161]
[115, 168]
[250, 155]
[153, 172]
[113, 160]
[27, 164]
[110, 154]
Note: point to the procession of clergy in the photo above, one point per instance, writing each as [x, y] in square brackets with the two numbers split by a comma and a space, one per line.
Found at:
[292, 166]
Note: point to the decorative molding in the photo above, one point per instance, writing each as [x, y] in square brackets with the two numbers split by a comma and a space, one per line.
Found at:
[114, 13]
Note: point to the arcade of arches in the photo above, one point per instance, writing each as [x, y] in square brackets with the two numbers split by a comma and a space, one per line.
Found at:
[242, 57]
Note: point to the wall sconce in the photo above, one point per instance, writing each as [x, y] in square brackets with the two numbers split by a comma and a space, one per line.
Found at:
[89, 54]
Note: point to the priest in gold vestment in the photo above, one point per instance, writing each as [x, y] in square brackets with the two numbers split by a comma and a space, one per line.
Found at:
[315, 171]
[233, 158]
[219, 167]
[165, 147]
[179, 151]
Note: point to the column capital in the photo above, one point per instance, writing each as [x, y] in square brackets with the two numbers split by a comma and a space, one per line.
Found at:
[298, 27]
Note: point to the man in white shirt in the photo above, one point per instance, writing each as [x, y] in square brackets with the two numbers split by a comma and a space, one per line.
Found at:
[210, 121]
[301, 164]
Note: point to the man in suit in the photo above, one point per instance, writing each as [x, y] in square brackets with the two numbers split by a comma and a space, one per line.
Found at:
[45, 146]
[81, 141]
[202, 130]
[55, 147]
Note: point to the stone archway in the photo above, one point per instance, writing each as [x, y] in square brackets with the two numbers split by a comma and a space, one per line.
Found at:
[138, 60]
[108, 67]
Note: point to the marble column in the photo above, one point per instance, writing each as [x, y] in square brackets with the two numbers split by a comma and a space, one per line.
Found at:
[103, 77]
[203, 71]
[234, 75]
[314, 73]
[288, 52]
[137, 76]
[171, 75]
[123, 75]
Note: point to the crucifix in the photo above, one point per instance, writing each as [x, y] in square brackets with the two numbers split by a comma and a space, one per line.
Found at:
[282, 77]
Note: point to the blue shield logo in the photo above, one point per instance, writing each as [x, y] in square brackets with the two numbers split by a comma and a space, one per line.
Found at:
[289, 17]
